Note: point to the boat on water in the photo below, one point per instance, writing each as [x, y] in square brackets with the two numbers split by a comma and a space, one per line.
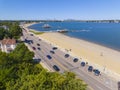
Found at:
[46, 26]
[62, 31]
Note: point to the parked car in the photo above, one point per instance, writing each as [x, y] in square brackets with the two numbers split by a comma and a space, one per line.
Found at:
[34, 48]
[75, 60]
[96, 72]
[31, 34]
[37, 60]
[90, 68]
[118, 85]
[39, 48]
[82, 64]
[25, 40]
[52, 52]
[38, 44]
[67, 55]
[54, 48]
[31, 41]
[28, 42]
[56, 67]
[39, 39]
[49, 57]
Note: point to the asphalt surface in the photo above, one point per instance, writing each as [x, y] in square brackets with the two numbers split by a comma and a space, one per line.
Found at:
[101, 82]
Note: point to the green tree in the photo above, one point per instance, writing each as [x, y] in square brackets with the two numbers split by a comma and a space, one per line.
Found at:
[2, 33]
[15, 31]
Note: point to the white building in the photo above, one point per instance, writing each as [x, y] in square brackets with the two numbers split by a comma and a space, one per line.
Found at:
[7, 45]
[5, 27]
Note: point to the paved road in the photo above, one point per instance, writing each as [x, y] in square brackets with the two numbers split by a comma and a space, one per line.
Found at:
[101, 82]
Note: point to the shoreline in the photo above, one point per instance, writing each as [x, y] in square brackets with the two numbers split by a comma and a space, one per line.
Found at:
[101, 57]
[29, 24]
[103, 45]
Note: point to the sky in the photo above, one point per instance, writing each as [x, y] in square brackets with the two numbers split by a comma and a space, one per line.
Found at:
[59, 9]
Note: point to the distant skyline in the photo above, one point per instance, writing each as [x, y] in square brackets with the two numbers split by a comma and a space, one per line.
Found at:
[59, 9]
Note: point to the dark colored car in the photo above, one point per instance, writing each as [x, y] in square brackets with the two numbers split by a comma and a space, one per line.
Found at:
[31, 41]
[67, 55]
[90, 68]
[96, 72]
[39, 39]
[37, 60]
[31, 34]
[56, 67]
[25, 40]
[52, 52]
[38, 44]
[75, 60]
[34, 48]
[82, 64]
[119, 85]
[49, 57]
[54, 48]
[28, 42]
[39, 48]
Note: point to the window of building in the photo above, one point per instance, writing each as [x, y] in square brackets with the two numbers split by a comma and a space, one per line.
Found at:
[7, 45]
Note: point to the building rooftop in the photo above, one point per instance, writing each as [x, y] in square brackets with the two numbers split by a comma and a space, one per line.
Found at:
[8, 41]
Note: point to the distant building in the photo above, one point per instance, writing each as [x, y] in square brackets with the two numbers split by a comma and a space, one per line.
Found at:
[7, 45]
[5, 27]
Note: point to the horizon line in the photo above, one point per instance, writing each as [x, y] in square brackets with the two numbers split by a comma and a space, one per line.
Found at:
[56, 19]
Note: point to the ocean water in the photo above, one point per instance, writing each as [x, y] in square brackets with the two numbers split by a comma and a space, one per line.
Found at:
[106, 34]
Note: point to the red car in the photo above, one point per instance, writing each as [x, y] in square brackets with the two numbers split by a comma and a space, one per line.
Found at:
[34, 48]
[38, 44]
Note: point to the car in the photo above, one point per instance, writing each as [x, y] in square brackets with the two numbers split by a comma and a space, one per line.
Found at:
[90, 68]
[54, 48]
[31, 41]
[49, 57]
[82, 64]
[38, 59]
[34, 48]
[39, 48]
[96, 72]
[52, 52]
[75, 60]
[28, 42]
[67, 55]
[39, 39]
[56, 67]
[118, 85]
[31, 34]
[38, 44]
[25, 40]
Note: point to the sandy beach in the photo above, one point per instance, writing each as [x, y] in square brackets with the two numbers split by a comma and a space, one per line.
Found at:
[29, 24]
[106, 59]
